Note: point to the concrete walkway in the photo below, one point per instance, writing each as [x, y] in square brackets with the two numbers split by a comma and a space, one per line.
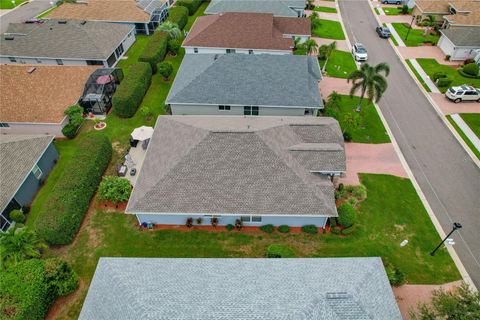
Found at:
[395, 35]
[371, 158]
[433, 88]
[466, 130]
[429, 52]
[329, 84]
[448, 107]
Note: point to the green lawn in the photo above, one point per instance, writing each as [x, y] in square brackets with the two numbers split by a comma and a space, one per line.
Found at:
[8, 4]
[464, 137]
[376, 11]
[415, 37]
[430, 66]
[394, 11]
[340, 64]
[473, 121]
[424, 85]
[325, 9]
[328, 29]
[133, 52]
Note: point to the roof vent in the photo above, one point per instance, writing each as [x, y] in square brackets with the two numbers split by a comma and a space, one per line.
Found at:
[30, 70]
[215, 57]
[338, 295]
[62, 21]
[9, 37]
[83, 22]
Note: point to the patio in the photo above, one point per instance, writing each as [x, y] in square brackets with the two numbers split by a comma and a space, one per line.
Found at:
[139, 141]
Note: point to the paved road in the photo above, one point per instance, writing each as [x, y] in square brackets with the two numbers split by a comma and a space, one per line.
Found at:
[446, 174]
[23, 13]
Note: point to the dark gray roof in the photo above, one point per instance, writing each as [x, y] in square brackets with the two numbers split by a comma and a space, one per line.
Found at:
[18, 155]
[74, 40]
[244, 79]
[463, 36]
[279, 8]
[214, 289]
[235, 165]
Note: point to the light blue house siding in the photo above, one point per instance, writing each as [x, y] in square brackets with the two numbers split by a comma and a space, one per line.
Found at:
[177, 219]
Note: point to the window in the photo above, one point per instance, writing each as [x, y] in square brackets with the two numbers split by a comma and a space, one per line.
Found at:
[4, 125]
[12, 59]
[59, 62]
[230, 50]
[37, 172]
[119, 50]
[224, 108]
[250, 111]
[256, 219]
[195, 50]
[250, 51]
[94, 63]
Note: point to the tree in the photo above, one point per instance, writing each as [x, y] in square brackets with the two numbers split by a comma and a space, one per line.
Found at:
[369, 80]
[325, 51]
[310, 4]
[171, 29]
[458, 304]
[17, 245]
[165, 69]
[311, 47]
[351, 121]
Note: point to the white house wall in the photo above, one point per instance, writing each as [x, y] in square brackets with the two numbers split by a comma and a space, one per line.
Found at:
[179, 109]
[189, 50]
[456, 53]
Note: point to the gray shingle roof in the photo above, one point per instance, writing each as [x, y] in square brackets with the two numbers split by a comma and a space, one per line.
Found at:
[243, 79]
[92, 40]
[214, 289]
[280, 8]
[464, 36]
[18, 155]
[234, 165]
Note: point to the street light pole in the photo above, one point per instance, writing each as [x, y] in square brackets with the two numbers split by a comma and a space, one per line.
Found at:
[456, 226]
[408, 31]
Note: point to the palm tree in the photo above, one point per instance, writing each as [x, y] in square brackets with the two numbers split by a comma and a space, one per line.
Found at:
[311, 47]
[325, 51]
[17, 245]
[171, 29]
[369, 80]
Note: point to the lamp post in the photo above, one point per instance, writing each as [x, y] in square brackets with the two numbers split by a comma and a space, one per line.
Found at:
[456, 226]
[408, 31]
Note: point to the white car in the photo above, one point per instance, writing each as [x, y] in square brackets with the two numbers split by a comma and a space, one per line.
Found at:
[463, 93]
[359, 52]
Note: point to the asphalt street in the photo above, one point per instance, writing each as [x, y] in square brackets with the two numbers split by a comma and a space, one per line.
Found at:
[23, 13]
[446, 174]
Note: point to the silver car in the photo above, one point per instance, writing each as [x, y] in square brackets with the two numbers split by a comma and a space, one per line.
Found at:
[463, 93]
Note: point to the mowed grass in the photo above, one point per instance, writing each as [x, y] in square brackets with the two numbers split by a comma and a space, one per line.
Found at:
[430, 66]
[473, 121]
[467, 141]
[328, 29]
[325, 9]
[395, 11]
[340, 64]
[417, 75]
[8, 4]
[415, 36]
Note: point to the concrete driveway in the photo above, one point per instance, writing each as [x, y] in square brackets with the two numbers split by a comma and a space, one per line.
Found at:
[429, 52]
[448, 177]
[23, 13]
[448, 107]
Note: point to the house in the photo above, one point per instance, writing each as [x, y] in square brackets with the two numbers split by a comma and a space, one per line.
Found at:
[279, 8]
[213, 289]
[251, 33]
[66, 42]
[145, 15]
[449, 13]
[243, 84]
[260, 170]
[460, 43]
[34, 98]
[25, 161]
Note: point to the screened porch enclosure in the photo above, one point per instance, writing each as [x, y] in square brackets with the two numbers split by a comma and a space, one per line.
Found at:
[99, 89]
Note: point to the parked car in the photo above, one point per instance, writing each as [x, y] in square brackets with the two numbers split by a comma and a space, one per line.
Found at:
[383, 32]
[463, 93]
[391, 2]
[359, 52]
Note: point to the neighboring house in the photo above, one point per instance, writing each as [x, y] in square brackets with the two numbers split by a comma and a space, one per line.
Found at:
[279, 8]
[460, 43]
[449, 13]
[243, 84]
[145, 14]
[250, 33]
[25, 160]
[66, 42]
[34, 98]
[261, 170]
[241, 289]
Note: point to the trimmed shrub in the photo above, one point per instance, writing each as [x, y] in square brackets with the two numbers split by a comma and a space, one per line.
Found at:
[395, 276]
[268, 228]
[229, 227]
[174, 46]
[178, 15]
[444, 82]
[129, 94]
[17, 216]
[114, 189]
[284, 229]
[437, 75]
[346, 215]
[311, 229]
[471, 69]
[466, 75]
[279, 251]
[199, 221]
[165, 69]
[155, 50]
[189, 222]
[238, 224]
[191, 5]
[75, 120]
[214, 221]
[64, 209]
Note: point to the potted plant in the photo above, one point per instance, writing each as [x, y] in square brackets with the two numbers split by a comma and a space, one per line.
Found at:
[99, 124]
[214, 221]
[199, 220]
[238, 224]
[189, 222]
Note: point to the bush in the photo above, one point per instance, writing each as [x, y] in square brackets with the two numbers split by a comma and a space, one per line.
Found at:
[75, 120]
[189, 222]
[347, 136]
[191, 5]
[238, 224]
[229, 227]
[129, 94]
[466, 75]
[268, 228]
[471, 69]
[444, 82]
[214, 221]
[174, 46]
[64, 209]
[199, 221]
[395, 276]
[437, 75]
[155, 50]
[17, 216]
[311, 229]
[165, 69]
[114, 189]
[279, 251]
[284, 229]
[28, 290]
[346, 215]
[347, 231]
[336, 230]
[178, 15]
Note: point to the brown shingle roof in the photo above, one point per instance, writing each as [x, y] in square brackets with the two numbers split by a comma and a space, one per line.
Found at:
[41, 96]
[95, 10]
[432, 6]
[246, 31]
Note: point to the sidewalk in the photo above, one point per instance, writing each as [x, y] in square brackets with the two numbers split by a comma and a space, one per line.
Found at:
[466, 130]
[433, 88]
[395, 35]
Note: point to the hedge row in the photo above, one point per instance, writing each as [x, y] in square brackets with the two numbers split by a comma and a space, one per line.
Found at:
[155, 50]
[129, 94]
[28, 290]
[64, 209]
[178, 15]
[191, 5]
